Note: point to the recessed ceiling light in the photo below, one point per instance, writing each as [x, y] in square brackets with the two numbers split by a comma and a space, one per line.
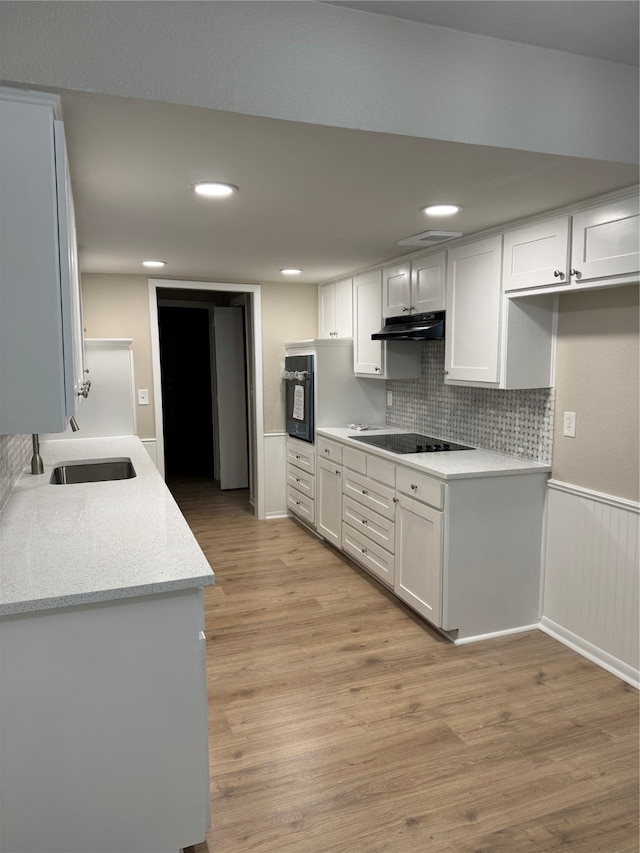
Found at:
[154, 263]
[214, 189]
[291, 271]
[442, 209]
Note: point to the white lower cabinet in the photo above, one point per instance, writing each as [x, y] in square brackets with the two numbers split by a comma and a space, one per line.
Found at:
[418, 532]
[301, 481]
[463, 553]
[329, 501]
[103, 725]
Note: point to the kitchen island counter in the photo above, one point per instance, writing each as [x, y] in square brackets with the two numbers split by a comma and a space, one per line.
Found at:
[448, 465]
[65, 545]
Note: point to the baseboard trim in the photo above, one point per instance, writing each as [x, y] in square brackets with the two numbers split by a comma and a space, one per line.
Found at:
[596, 655]
[462, 641]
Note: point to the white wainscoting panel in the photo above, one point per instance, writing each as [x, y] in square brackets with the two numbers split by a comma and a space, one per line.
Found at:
[591, 571]
[275, 474]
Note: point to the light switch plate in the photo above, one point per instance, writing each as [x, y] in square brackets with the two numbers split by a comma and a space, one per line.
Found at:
[143, 397]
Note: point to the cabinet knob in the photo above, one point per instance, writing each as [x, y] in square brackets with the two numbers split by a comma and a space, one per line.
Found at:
[412, 307]
[575, 272]
[365, 492]
[326, 450]
[364, 550]
[558, 274]
[364, 521]
[414, 487]
[396, 500]
[338, 472]
[377, 370]
[404, 308]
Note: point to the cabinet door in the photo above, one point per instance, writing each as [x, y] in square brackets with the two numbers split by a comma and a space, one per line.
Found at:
[344, 308]
[36, 325]
[428, 279]
[418, 574]
[472, 346]
[396, 290]
[367, 304]
[537, 255]
[326, 310]
[605, 240]
[329, 501]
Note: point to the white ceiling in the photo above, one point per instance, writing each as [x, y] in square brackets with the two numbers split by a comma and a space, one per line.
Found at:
[329, 200]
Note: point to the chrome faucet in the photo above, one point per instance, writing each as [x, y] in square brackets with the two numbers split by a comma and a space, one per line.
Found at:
[37, 466]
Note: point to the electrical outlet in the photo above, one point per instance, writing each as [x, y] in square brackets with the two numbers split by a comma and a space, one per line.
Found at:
[389, 398]
[570, 424]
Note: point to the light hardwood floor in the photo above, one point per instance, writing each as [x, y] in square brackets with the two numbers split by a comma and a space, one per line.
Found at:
[341, 723]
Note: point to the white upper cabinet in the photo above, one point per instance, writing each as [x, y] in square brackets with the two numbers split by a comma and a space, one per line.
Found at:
[335, 309]
[396, 290]
[537, 255]
[493, 341]
[41, 350]
[473, 312]
[368, 355]
[594, 247]
[415, 287]
[382, 359]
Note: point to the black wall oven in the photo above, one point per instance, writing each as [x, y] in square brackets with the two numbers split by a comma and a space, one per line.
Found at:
[298, 378]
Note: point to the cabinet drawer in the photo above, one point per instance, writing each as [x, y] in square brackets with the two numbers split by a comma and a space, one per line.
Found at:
[377, 497]
[375, 527]
[374, 558]
[381, 470]
[329, 450]
[301, 481]
[301, 505]
[302, 457]
[354, 459]
[421, 487]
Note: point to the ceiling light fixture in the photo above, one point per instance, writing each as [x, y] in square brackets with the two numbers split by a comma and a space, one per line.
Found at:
[214, 189]
[290, 271]
[154, 263]
[442, 209]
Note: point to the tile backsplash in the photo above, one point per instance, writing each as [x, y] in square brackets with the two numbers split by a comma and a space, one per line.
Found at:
[15, 452]
[519, 423]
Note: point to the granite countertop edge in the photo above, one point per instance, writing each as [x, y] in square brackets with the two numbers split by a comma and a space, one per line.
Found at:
[89, 543]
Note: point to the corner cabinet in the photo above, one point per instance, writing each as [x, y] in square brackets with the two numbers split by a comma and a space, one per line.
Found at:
[41, 350]
[493, 341]
[381, 359]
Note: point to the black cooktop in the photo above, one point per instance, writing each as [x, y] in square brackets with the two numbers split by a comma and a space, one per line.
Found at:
[409, 442]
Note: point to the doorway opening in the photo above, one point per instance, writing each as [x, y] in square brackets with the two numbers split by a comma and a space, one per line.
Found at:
[207, 365]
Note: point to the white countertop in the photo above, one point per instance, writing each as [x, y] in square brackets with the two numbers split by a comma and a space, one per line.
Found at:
[91, 542]
[451, 465]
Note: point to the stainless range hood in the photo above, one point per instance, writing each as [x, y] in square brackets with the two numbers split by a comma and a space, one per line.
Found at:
[412, 327]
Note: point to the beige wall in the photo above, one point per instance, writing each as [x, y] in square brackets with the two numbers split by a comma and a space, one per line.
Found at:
[597, 378]
[289, 313]
[118, 306]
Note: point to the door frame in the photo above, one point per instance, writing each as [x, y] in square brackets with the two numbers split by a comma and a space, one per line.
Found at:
[255, 369]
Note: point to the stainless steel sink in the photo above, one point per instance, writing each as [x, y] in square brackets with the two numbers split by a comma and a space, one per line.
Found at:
[93, 471]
